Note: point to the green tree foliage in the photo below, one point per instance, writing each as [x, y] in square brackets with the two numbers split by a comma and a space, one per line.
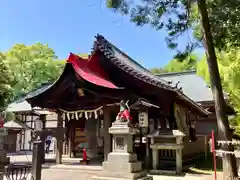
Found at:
[157, 70]
[224, 18]
[171, 15]
[229, 67]
[30, 66]
[5, 82]
[181, 16]
[176, 65]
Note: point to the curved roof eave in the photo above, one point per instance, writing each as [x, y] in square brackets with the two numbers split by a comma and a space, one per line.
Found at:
[92, 78]
[83, 69]
[117, 57]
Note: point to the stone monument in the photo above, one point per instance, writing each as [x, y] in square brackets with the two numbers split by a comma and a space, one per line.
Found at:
[122, 161]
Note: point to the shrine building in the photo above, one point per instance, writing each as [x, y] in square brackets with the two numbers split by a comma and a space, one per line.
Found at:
[86, 99]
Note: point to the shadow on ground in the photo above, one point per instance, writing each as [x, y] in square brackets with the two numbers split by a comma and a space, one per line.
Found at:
[203, 166]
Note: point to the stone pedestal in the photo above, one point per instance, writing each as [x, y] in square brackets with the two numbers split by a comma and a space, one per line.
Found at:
[3, 155]
[122, 161]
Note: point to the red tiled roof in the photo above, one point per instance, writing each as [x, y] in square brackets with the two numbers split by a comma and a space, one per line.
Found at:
[90, 70]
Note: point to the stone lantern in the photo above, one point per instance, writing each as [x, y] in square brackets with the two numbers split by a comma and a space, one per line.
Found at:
[122, 162]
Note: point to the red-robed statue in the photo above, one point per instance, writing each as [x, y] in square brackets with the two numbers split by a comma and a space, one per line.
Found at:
[1, 122]
[124, 114]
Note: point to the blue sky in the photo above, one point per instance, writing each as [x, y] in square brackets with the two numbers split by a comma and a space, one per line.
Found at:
[70, 26]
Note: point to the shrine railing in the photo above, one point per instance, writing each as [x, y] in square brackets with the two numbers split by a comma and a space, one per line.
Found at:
[17, 171]
[167, 154]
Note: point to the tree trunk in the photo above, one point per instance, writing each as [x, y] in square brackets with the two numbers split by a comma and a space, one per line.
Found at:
[229, 161]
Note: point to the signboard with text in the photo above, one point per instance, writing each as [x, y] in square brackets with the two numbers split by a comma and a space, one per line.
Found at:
[143, 119]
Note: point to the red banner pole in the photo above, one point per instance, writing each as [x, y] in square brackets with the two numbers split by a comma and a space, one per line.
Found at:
[214, 156]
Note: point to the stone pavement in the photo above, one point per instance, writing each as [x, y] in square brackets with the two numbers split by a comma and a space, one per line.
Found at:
[68, 174]
[71, 170]
[54, 174]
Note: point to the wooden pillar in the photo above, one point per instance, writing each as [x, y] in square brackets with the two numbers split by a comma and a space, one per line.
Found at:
[64, 147]
[42, 137]
[155, 158]
[70, 144]
[107, 135]
[59, 140]
[206, 147]
[30, 146]
[74, 141]
[36, 160]
[147, 157]
[179, 161]
[65, 141]
[179, 156]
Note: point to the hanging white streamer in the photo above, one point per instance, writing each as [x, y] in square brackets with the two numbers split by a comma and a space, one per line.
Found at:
[95, 115]
[221, 142]
[64, 116]
[90, 115]
[68, 116]
[80, 115]
[101, 112]
[224, 152]
[76, 115]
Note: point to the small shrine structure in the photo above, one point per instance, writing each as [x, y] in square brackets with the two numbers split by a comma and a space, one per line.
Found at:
[13, 128]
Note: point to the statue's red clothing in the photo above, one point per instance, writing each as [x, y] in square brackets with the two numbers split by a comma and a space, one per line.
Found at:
[125, 115]
[1, 122]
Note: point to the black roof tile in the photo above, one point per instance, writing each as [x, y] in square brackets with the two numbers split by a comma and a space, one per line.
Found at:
[127, 64]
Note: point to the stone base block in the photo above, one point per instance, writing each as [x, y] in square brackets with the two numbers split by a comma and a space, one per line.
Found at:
[121, 128]
[121, 176]
[122, 167]
[122, 157]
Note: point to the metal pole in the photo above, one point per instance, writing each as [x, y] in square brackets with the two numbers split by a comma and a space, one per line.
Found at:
[36, 160]
[214, 156]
